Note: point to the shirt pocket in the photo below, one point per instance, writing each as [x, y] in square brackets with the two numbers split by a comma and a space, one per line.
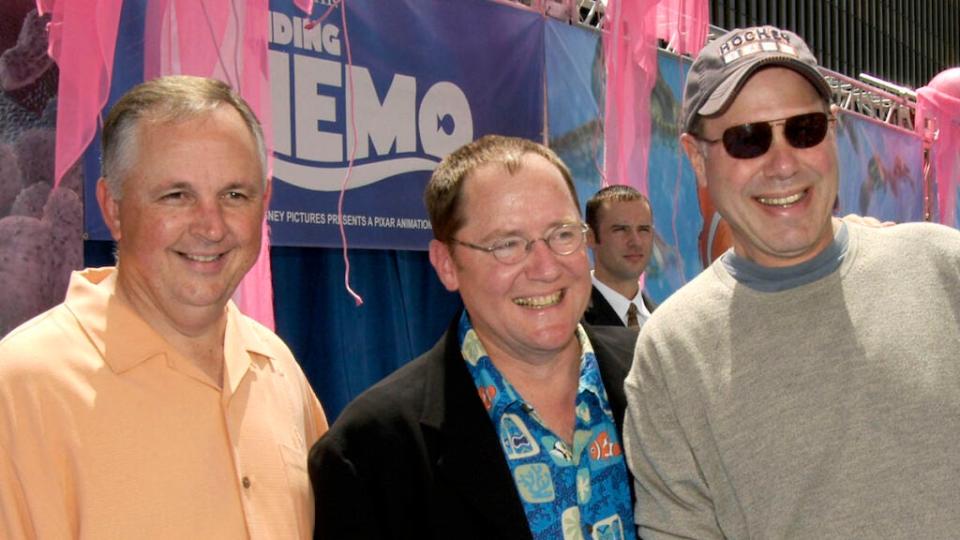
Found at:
[295, 468]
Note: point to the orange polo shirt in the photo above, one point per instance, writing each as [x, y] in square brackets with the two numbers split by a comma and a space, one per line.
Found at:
[107, 432]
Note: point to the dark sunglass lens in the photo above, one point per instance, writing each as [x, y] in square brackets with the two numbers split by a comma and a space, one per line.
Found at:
[748, 141]
[806, 130]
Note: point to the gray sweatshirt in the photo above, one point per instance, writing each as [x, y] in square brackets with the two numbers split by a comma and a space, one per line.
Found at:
[827, 410]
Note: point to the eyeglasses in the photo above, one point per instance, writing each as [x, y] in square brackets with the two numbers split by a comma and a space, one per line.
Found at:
[563, 240]
[753, 140]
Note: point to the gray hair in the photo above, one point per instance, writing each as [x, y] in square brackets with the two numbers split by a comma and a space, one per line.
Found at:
[168, 99]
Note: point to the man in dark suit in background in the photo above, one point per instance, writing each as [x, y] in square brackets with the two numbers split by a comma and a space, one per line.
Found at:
[510, 426]
[621, 237]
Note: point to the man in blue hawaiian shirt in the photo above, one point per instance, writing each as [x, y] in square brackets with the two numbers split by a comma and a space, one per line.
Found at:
[510, 427]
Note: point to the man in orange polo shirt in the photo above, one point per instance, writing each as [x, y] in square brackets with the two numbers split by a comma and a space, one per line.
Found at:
[146, 405]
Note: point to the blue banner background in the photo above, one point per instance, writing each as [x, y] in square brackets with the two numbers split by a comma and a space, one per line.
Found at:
[402, 44]
[575, 102]
[881, 170]
[414, 47]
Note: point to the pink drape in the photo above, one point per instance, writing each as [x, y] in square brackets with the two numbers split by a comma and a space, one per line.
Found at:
[630, 51]
[944, 110]
[226, 39]
[82, 40]
[683, 24]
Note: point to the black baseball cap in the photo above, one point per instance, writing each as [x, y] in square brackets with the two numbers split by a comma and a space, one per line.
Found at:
[724, 65]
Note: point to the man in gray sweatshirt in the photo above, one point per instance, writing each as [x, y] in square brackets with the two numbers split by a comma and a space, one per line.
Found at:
[807, 384]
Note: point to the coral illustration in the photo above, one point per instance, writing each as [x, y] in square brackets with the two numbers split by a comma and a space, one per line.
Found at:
[41, 228]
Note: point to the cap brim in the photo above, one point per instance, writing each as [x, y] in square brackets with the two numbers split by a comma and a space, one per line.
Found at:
[721, 98]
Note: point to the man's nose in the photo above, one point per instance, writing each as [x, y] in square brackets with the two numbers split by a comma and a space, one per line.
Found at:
[209, 222]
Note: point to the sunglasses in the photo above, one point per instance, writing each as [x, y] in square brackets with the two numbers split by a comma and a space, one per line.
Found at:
[753, 140]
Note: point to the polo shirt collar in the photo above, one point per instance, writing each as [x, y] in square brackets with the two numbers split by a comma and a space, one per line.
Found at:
[125, 340]
[244, 347]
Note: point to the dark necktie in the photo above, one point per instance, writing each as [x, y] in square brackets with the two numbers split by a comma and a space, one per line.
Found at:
[632, 311]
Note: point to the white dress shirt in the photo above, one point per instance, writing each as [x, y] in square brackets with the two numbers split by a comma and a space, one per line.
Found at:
[621, 303]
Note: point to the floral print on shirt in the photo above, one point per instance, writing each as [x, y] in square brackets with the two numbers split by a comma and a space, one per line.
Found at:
[576, 491]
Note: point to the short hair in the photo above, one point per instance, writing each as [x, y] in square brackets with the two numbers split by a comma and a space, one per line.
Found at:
[443, 194]
[166, 100]
[618, 192]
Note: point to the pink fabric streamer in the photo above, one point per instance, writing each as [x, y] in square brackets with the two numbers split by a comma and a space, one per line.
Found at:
[944, 110]
[305, 6]
[683, 24]
[630, 51]
[226, 39]
[358, 300]
[83, 36]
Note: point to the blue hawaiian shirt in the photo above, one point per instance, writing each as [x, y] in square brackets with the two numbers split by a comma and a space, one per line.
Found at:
[567, 492]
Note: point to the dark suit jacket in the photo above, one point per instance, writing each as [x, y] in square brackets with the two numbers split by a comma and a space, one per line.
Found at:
[416, 456]
[599, 312]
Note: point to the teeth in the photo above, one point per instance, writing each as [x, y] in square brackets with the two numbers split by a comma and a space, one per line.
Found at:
[201, 258]
[539, 302]
[781, 201]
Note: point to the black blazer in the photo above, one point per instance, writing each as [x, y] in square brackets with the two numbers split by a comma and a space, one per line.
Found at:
[600, 313]
[416, 455]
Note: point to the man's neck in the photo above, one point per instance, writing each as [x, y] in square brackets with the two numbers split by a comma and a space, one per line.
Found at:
[198, 336]
[626, 288]
[774, 279]
[552, 393]
[548, 384]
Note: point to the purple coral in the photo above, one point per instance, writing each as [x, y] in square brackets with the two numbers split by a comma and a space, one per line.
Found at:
[41, 240]
[9, 178]
[24, 270]
[30, 201]
[14, 11]
[73, 180]
[40, 244]
[63, 212]
[35, 151]
[27, 61]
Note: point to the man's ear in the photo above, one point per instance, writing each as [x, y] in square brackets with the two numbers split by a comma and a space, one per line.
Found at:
[109, 208]
[835, 111]
[592, 239]
[692, 149]
[443, 263]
